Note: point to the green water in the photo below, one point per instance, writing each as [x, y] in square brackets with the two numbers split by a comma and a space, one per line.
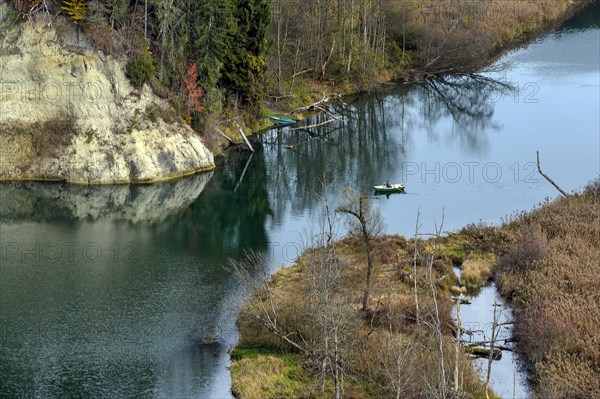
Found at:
[109, 291]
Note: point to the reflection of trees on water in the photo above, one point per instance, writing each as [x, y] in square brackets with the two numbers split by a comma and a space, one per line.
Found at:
[231, 213]
[377, 138]
[360, 153]
[466, 104]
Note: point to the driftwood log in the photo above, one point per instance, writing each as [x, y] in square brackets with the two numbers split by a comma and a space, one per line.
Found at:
[484, 353]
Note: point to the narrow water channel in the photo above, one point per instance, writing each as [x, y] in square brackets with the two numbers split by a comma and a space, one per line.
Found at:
[508, 378]
[109, 291]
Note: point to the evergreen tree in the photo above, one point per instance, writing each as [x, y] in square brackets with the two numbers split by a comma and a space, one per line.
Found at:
[76, 9]
[246, 62]
[214, 23]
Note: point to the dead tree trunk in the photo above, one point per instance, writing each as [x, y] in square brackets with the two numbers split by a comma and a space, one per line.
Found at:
[547, 177]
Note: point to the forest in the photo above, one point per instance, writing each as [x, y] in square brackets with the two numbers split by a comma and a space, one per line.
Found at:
[227, 61]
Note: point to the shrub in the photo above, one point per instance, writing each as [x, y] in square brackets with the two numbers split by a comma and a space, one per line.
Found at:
[141, 66]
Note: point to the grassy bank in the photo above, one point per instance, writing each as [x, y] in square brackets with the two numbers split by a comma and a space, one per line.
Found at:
[551, 274]
[545, 263]
[547, 266]
[306, 325]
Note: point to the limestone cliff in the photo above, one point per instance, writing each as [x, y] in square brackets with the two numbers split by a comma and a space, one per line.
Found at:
[69, 113]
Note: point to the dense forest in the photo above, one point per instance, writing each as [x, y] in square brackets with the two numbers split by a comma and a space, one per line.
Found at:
[218, 61]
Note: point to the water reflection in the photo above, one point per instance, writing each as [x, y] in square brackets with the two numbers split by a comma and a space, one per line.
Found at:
[126, 320]
[57, 202]
[377, 137]
[108, 291]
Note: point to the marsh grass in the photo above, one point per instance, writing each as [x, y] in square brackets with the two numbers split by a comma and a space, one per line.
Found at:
[552, 274]
[389, 329]
[477, 270]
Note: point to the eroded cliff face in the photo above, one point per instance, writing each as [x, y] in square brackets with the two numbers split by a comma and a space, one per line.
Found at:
[69, 113]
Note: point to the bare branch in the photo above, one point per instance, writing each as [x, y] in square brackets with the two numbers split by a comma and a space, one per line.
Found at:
[547, 177]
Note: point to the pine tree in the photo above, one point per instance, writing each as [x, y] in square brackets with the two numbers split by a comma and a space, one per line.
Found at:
[246, 61]
[76, 9]
[214, 23]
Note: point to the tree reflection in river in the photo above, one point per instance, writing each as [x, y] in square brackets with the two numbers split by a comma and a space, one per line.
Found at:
[377, 137]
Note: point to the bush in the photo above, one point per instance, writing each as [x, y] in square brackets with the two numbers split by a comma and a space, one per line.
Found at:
[141, 67]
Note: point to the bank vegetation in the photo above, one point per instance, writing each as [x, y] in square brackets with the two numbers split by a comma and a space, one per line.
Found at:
[225, 63]
[365, 316]
[306, 331]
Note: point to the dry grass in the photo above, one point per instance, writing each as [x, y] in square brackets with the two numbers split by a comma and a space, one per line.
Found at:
[547, 265]
[49, 137]
[462, 35]
[269, 374]
[476, 271]
[552, 274]
[374, 337]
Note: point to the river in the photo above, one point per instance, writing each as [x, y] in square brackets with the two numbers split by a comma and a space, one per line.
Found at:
[108, 291]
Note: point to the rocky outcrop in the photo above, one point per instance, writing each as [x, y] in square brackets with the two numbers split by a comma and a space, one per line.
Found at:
[69, 113]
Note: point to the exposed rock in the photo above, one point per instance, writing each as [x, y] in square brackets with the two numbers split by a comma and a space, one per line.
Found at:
[69, 113]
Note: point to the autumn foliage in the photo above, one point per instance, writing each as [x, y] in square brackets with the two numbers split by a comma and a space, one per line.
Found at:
[194, 94]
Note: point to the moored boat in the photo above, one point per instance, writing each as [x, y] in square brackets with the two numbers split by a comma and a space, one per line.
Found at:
[280, 120]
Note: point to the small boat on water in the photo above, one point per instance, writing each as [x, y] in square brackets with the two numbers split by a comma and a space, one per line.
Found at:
[280, 120]
[388, 189]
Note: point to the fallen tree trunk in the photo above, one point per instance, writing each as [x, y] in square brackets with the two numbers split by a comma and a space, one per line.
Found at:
[319, 104]
[496, 353]
[245, 138]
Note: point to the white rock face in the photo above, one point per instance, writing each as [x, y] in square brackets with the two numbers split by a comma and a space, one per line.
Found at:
[69, 113]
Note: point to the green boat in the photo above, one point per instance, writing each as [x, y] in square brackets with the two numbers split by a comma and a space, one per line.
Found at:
[388, 189]
[280, 120]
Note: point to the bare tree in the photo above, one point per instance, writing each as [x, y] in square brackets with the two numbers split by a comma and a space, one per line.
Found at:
[366, 223]
[416, 254]
[493, 350]
[255, 277]
[329, 324]
[457, 344]
[436, 321]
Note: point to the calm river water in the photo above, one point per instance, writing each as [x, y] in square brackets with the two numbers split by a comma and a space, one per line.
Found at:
[107, 291]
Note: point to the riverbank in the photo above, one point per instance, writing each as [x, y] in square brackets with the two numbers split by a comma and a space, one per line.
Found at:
[545, 265]
[438, 38]
[550, 275]
[89, 125]
[318, 338]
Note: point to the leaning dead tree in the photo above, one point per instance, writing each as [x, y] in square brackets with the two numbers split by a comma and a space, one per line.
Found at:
[323, 106]
[545, 176]
[320, 105]
[325, 112]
